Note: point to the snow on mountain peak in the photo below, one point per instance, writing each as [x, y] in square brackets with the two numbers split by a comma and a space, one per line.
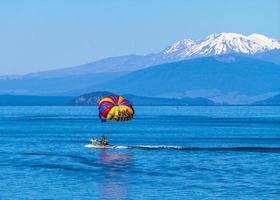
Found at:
[179, 45]
[261, 39]
[222, 43]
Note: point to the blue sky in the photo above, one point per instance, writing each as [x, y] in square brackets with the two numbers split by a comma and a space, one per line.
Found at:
[42, 35]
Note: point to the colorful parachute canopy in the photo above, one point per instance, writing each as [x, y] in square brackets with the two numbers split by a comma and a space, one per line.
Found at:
[115, 108]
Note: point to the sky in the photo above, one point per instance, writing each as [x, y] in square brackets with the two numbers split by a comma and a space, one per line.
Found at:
[39, 35]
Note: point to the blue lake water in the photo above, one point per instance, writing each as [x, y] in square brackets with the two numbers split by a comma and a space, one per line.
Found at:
[217, 153]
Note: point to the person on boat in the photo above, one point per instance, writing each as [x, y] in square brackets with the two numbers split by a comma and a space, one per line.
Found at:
[104, 140]
[94, 141]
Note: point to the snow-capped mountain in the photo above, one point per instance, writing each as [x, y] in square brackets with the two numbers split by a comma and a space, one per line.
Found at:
[142, 74]
[181, 45]
[222, 43]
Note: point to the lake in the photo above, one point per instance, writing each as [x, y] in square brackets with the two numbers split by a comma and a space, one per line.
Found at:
[215, 152]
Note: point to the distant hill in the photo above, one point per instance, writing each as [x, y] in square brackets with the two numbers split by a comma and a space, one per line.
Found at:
[233, 79]
[275, 101]
[94, 97]
[13, 100]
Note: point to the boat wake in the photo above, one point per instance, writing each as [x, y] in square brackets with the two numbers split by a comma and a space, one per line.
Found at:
[190, 148]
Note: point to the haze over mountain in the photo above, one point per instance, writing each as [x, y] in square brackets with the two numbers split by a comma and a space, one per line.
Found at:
[111, 72]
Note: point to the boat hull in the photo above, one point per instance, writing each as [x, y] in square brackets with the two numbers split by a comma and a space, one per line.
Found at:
[100, 146]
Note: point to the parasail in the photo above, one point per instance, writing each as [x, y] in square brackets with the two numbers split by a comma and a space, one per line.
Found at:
[115, 108]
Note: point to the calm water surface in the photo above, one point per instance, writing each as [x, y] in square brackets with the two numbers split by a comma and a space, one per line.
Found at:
[217, 153]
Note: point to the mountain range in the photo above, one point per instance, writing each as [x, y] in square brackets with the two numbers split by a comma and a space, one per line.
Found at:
[225, 67]
[227, 78]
